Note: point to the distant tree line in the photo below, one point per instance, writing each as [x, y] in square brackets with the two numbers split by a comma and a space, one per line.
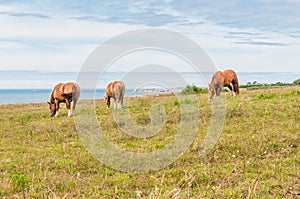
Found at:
[255, 84]
[192, 89]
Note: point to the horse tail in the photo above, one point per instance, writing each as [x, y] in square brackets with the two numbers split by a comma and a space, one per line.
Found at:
[236, 84]
[237, 88]
[75, 92]
[121, 90]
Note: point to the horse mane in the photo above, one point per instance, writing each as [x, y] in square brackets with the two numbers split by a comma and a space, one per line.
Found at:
[52, 98]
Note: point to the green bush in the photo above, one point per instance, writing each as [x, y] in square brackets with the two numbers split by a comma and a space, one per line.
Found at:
[297, 81]
[193, 90]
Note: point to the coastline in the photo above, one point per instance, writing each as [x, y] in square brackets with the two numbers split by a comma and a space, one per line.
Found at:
[23, 96]
[27, 91]
[153, 92]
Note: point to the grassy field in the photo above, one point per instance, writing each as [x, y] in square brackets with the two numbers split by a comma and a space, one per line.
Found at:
[257, 155]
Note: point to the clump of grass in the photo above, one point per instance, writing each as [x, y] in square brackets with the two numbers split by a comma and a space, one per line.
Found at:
[19, 181]
[266, 96]
[184, 102]
[176, 103]
[292, 93]
[24, 118]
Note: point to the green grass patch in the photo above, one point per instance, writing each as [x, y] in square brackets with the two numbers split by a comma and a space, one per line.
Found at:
[266, 96]
[19, 182]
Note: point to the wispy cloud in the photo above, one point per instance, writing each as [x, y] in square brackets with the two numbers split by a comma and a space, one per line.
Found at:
[259, 14]
[16, 14]
[136, 13]
[243, 33]
[261, 43]
[295, 35]
[89, 18]
[149, 19]
[245, 36]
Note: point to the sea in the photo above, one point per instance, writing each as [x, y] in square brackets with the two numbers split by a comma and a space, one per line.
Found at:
[19, 87]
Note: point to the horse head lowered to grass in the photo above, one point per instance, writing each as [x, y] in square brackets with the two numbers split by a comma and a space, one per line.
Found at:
[67, 93]
[227, 78]
[115, 90]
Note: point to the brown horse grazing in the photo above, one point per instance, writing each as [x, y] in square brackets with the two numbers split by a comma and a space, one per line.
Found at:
[227, 78]
[67, 93]
[115, 90]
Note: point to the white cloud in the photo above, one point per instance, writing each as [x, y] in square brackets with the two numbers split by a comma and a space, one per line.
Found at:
[59, 43]
[64, 40]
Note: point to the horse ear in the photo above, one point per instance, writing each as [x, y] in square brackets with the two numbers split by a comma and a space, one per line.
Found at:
[49, 103]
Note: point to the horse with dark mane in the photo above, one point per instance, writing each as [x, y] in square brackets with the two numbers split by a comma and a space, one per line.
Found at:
[227, 78]
[115, 90]
[67, 93]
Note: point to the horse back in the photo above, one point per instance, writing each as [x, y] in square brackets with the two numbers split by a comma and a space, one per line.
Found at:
[68, 90]
[229, 76]
[118, 87]
[115, 89]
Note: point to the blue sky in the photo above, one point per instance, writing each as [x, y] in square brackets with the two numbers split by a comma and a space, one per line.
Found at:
[248, 36]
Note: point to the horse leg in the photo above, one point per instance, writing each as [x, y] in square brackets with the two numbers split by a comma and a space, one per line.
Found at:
[56, 108]
[212, 93]
[71, 111]
[121, 102]
[230, 86]
[236, 88]
[118, 105]
[115, 104]
[73, 106]
[68, 104]
[117, 100]
[218, 90]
